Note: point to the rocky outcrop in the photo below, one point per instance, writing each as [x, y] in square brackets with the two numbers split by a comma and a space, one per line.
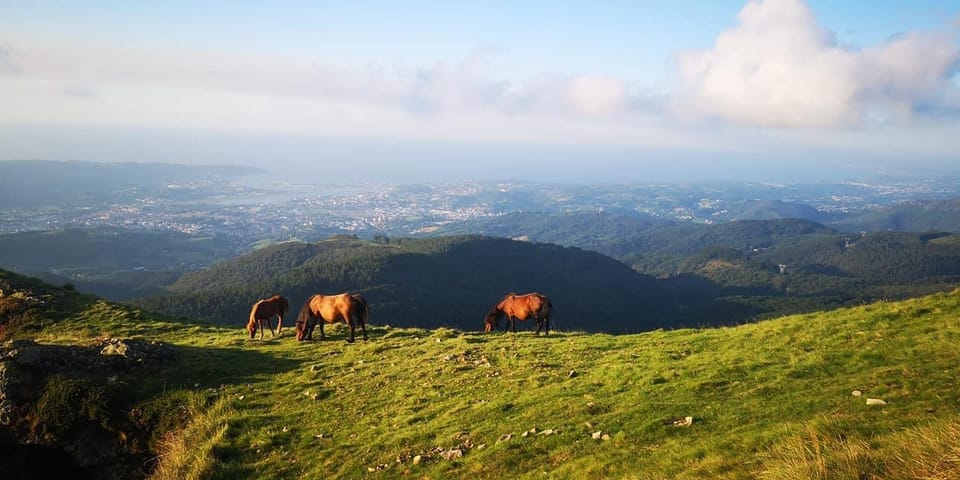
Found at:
[62, 397]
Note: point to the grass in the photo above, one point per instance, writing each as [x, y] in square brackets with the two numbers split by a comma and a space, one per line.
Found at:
[768, 400]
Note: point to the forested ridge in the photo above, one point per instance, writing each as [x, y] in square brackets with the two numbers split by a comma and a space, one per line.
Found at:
[446, 281]
[770, 267]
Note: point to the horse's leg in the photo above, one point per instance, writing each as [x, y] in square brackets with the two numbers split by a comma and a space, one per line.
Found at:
[546, 324]
[268, 319]
[539, 325]
[363, 325]
[279, 324]
[513, 324]
[353, 328]
[321, 322]
[311, 324]
[260, 322]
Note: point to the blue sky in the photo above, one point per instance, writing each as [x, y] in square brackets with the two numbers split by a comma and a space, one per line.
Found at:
[449, 90]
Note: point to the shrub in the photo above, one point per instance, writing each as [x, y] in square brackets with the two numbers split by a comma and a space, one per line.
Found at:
[162, 415]
[69, 403]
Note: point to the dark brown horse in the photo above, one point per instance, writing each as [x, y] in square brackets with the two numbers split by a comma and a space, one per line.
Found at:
[520, 307]
[264, 310]
[352, 309]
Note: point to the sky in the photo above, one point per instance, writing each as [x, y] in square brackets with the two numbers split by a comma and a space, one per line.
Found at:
[407, 91]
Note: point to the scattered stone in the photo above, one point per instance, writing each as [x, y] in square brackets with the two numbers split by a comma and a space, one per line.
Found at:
[314, 368]
[548, 431]
[683, 422]
[875, 401]
[241, 397]
[417, 459]
[605, 437]
[573, 373]
[856, 393]
[597, 435]
[285, 429]
[505, 437]
[481, 446]
[452, 454]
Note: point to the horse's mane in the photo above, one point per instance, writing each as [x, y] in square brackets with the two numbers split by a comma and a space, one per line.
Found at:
[253, 313]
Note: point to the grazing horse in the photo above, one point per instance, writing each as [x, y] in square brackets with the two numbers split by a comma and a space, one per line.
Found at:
[520, 307]
[350, 308]
[264, 310]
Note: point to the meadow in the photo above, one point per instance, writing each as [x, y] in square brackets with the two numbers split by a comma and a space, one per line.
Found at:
[785, 398]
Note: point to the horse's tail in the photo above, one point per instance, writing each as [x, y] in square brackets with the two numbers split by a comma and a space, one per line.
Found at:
[547, 307]
[364, 313]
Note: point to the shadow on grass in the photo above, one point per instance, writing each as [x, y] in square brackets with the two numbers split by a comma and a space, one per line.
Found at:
[215, 366]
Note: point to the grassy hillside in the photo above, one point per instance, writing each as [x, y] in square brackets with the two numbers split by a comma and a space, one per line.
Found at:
[775, 399]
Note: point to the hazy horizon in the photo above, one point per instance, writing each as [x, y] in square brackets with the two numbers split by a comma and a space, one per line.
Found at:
[760, 90]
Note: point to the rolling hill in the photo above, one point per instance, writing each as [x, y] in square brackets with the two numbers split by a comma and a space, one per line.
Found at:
[740, 262]
[913, 216]
[448, 281]
[114, 263]
[865, 392]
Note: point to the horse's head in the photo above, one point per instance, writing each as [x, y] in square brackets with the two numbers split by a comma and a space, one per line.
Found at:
[301, 330]
[491, 320]
[252, 328]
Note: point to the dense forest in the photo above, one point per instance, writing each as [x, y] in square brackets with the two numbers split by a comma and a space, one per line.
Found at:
[446, 281]
[686, 275]
[772, 266]
[605, 271]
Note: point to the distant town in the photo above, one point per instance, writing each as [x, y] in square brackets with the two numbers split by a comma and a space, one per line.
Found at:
[248, 211]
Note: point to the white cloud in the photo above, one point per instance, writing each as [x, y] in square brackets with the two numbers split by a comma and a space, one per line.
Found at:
[597, 95]
[779, 68]
[466, 86]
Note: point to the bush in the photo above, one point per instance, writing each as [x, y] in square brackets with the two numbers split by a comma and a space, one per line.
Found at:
[161, 415]
[69, 403]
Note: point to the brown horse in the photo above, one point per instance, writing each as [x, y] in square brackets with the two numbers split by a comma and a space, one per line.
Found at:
[350, 308]
[520, 307]
[264, 310]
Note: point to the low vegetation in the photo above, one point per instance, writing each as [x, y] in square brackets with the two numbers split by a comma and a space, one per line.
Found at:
[859, 393]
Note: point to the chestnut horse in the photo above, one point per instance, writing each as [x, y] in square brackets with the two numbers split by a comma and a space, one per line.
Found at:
[264, 310]
[520, 307]
[350, 308]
